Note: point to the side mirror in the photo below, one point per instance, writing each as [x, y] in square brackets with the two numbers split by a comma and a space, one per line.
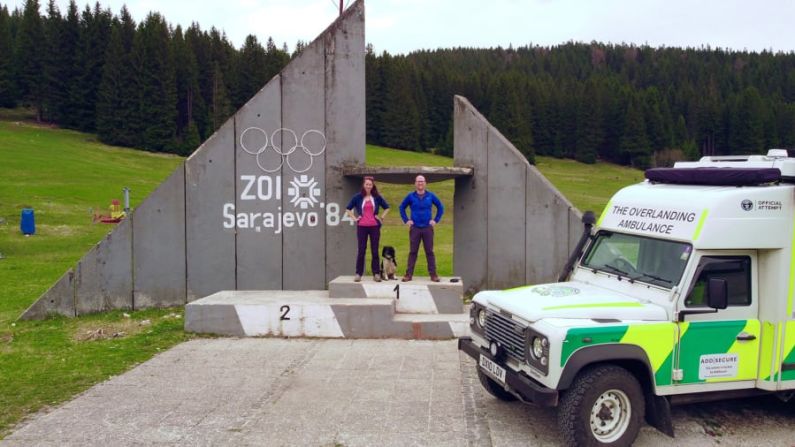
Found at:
[717, 294]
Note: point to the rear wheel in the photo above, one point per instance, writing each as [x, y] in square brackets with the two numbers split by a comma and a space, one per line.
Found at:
[494, 388]
[603, 407]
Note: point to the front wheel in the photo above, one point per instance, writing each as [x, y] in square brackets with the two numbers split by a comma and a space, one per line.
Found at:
[603, 407]
[494, 388]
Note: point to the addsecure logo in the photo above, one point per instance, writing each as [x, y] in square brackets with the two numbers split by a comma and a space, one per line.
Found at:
[747, 205]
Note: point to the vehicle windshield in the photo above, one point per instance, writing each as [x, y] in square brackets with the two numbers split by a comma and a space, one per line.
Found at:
[654, 261]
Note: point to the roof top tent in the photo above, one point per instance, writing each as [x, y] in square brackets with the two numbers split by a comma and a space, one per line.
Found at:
[733, 170]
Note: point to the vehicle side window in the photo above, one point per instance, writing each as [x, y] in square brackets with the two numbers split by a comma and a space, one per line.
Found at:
[736, 270]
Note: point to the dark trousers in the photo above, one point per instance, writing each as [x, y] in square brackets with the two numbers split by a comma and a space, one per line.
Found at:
[362, 233]
[426, 236]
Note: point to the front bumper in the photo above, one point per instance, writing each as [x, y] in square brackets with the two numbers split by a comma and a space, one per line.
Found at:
[524, 387]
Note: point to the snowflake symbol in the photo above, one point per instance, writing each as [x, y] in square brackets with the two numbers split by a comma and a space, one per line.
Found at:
[303, 192]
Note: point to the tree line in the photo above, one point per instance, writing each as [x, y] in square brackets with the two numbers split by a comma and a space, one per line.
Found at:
[153, 86]
[633, 105]
[147, 85]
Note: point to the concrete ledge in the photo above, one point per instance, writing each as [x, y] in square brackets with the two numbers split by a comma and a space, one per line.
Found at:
[313, 314]
[407, 174]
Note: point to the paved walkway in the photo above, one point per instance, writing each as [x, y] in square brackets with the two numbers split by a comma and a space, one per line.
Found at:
[273, 392]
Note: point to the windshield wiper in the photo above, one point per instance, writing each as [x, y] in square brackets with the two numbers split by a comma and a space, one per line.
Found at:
[651, 276]
[617, 270]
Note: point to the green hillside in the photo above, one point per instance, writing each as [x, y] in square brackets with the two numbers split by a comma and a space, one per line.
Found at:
[68, 176]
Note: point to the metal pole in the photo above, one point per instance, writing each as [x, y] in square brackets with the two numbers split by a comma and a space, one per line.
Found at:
[340, 7]
[126, 191]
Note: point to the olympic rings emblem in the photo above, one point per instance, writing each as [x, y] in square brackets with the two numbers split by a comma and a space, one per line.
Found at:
[311, 150]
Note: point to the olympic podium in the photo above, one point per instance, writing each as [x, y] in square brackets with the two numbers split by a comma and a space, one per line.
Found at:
[419, 309]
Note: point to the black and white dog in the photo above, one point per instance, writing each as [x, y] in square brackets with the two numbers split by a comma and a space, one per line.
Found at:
[388, 262]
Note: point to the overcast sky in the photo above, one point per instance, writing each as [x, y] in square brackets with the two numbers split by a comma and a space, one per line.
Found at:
[401, 26]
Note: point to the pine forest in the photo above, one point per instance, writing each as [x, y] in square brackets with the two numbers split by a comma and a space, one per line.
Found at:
[165, 89]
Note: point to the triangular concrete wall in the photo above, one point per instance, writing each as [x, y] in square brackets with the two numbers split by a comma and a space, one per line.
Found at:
[511, 225]
[208, 227]
[259, 205]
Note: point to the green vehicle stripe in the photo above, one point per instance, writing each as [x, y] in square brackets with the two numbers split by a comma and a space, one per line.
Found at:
[663, 375]
[701, 338]
[700, 225]
[576, 339]
[604, 213]
[589, 305]
[790, 358]
[661, 342]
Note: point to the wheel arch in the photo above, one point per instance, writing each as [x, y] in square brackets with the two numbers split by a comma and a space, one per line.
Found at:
[630, 357]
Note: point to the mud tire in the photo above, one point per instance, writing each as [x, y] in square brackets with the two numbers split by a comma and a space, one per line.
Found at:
[604, 407]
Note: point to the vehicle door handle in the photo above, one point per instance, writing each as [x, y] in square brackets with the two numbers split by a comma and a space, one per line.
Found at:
[745, 336]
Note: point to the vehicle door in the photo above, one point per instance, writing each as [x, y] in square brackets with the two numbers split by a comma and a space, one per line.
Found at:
[719, 346]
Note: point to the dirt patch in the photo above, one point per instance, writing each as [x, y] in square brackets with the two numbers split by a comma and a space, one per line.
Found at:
[91, 331]
[103, 330]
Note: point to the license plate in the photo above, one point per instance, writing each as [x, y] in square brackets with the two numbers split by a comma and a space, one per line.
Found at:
[494, 370]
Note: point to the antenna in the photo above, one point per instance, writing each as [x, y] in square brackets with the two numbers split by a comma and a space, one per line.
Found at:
[342, 5]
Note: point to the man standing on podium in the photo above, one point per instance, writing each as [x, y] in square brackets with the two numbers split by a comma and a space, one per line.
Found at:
[421, 202]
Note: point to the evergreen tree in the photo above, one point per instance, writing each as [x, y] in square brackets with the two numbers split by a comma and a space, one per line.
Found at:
[446, 147]
[680, 132]
[589, 125]
[634, 143]
[275, 60]
[374, 95]
[786, 125]
[252, 74]
[544, 118]
[659, 137]
[747, 123]
[401, 111]
[65, 108]
[190, 140]
[54, 92]
[117, 100]
[220, 106]
[29, 78]
[199, 44]
[156, 84]
[8, 97]
[187, 85]
[506, 113]
[95, 29]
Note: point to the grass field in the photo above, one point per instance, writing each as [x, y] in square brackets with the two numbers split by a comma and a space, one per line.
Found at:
[67, 176]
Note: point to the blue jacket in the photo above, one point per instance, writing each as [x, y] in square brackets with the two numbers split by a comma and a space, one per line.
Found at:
[358, 200]
[421, 208]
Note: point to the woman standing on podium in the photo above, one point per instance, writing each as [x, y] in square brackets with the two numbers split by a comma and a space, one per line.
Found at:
[364, 208]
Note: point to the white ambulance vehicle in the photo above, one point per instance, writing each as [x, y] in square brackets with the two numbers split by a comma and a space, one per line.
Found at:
[681, 292]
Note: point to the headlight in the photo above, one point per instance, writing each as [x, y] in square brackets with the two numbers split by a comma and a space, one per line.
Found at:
[482, 318]
[538, 348]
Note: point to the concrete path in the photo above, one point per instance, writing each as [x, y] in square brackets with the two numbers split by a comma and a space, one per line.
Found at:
[273, 392]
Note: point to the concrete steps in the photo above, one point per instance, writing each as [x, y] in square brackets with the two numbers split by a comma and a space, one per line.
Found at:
[374, 311]
[418, 296]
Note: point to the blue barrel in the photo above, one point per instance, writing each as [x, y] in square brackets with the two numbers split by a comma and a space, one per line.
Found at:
[27, 223]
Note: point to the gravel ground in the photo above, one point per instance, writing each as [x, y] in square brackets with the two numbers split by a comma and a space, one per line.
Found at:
[273, 392]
